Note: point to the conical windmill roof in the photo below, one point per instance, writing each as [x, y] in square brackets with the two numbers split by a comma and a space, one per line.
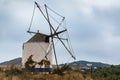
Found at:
[38, 37]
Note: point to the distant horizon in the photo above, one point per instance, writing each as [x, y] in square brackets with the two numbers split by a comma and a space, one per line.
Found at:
[69, 62]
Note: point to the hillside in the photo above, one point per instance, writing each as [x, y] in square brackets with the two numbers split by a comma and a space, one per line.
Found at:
[84, 63]
[76, 63]
[13, 61]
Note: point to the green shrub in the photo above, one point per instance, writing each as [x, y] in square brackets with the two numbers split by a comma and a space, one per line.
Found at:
[107, 73]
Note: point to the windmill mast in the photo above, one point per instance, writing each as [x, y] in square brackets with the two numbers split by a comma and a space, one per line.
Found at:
[51, 36]
[54, 33]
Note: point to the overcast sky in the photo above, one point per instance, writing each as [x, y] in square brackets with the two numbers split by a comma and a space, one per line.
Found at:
[93, 26]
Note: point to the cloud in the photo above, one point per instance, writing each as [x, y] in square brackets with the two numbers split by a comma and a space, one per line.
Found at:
[102, 4]
[93, 26]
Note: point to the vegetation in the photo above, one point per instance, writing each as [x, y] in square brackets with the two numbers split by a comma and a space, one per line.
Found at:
[62, 70]
[63, 73]
[107, 73]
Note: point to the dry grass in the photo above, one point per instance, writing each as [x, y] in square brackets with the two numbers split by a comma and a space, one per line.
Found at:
[40, 76]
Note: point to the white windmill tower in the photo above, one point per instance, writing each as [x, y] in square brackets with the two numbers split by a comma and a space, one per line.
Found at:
[37, 51]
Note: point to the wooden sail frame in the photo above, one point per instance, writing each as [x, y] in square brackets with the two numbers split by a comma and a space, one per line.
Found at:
[53, 32]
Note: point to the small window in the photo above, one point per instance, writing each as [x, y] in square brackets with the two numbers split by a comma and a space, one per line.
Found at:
[47, 39]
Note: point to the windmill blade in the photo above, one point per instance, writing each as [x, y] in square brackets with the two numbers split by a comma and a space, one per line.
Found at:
[55, 52]
[31, 32]
[56, 33]
[47, 19]
[51, 28]
[48, 50]
[61, 38]
[60, 23]
[63, 18]
[66, 48]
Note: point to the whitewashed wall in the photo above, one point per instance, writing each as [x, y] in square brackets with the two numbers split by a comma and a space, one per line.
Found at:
[37, 49]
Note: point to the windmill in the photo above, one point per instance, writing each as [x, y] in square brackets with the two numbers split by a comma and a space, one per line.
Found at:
[37, 52]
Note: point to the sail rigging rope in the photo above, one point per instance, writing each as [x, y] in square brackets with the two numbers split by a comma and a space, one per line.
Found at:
[59, 25]
[54, 11]
[68, 40]
[32, 18]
